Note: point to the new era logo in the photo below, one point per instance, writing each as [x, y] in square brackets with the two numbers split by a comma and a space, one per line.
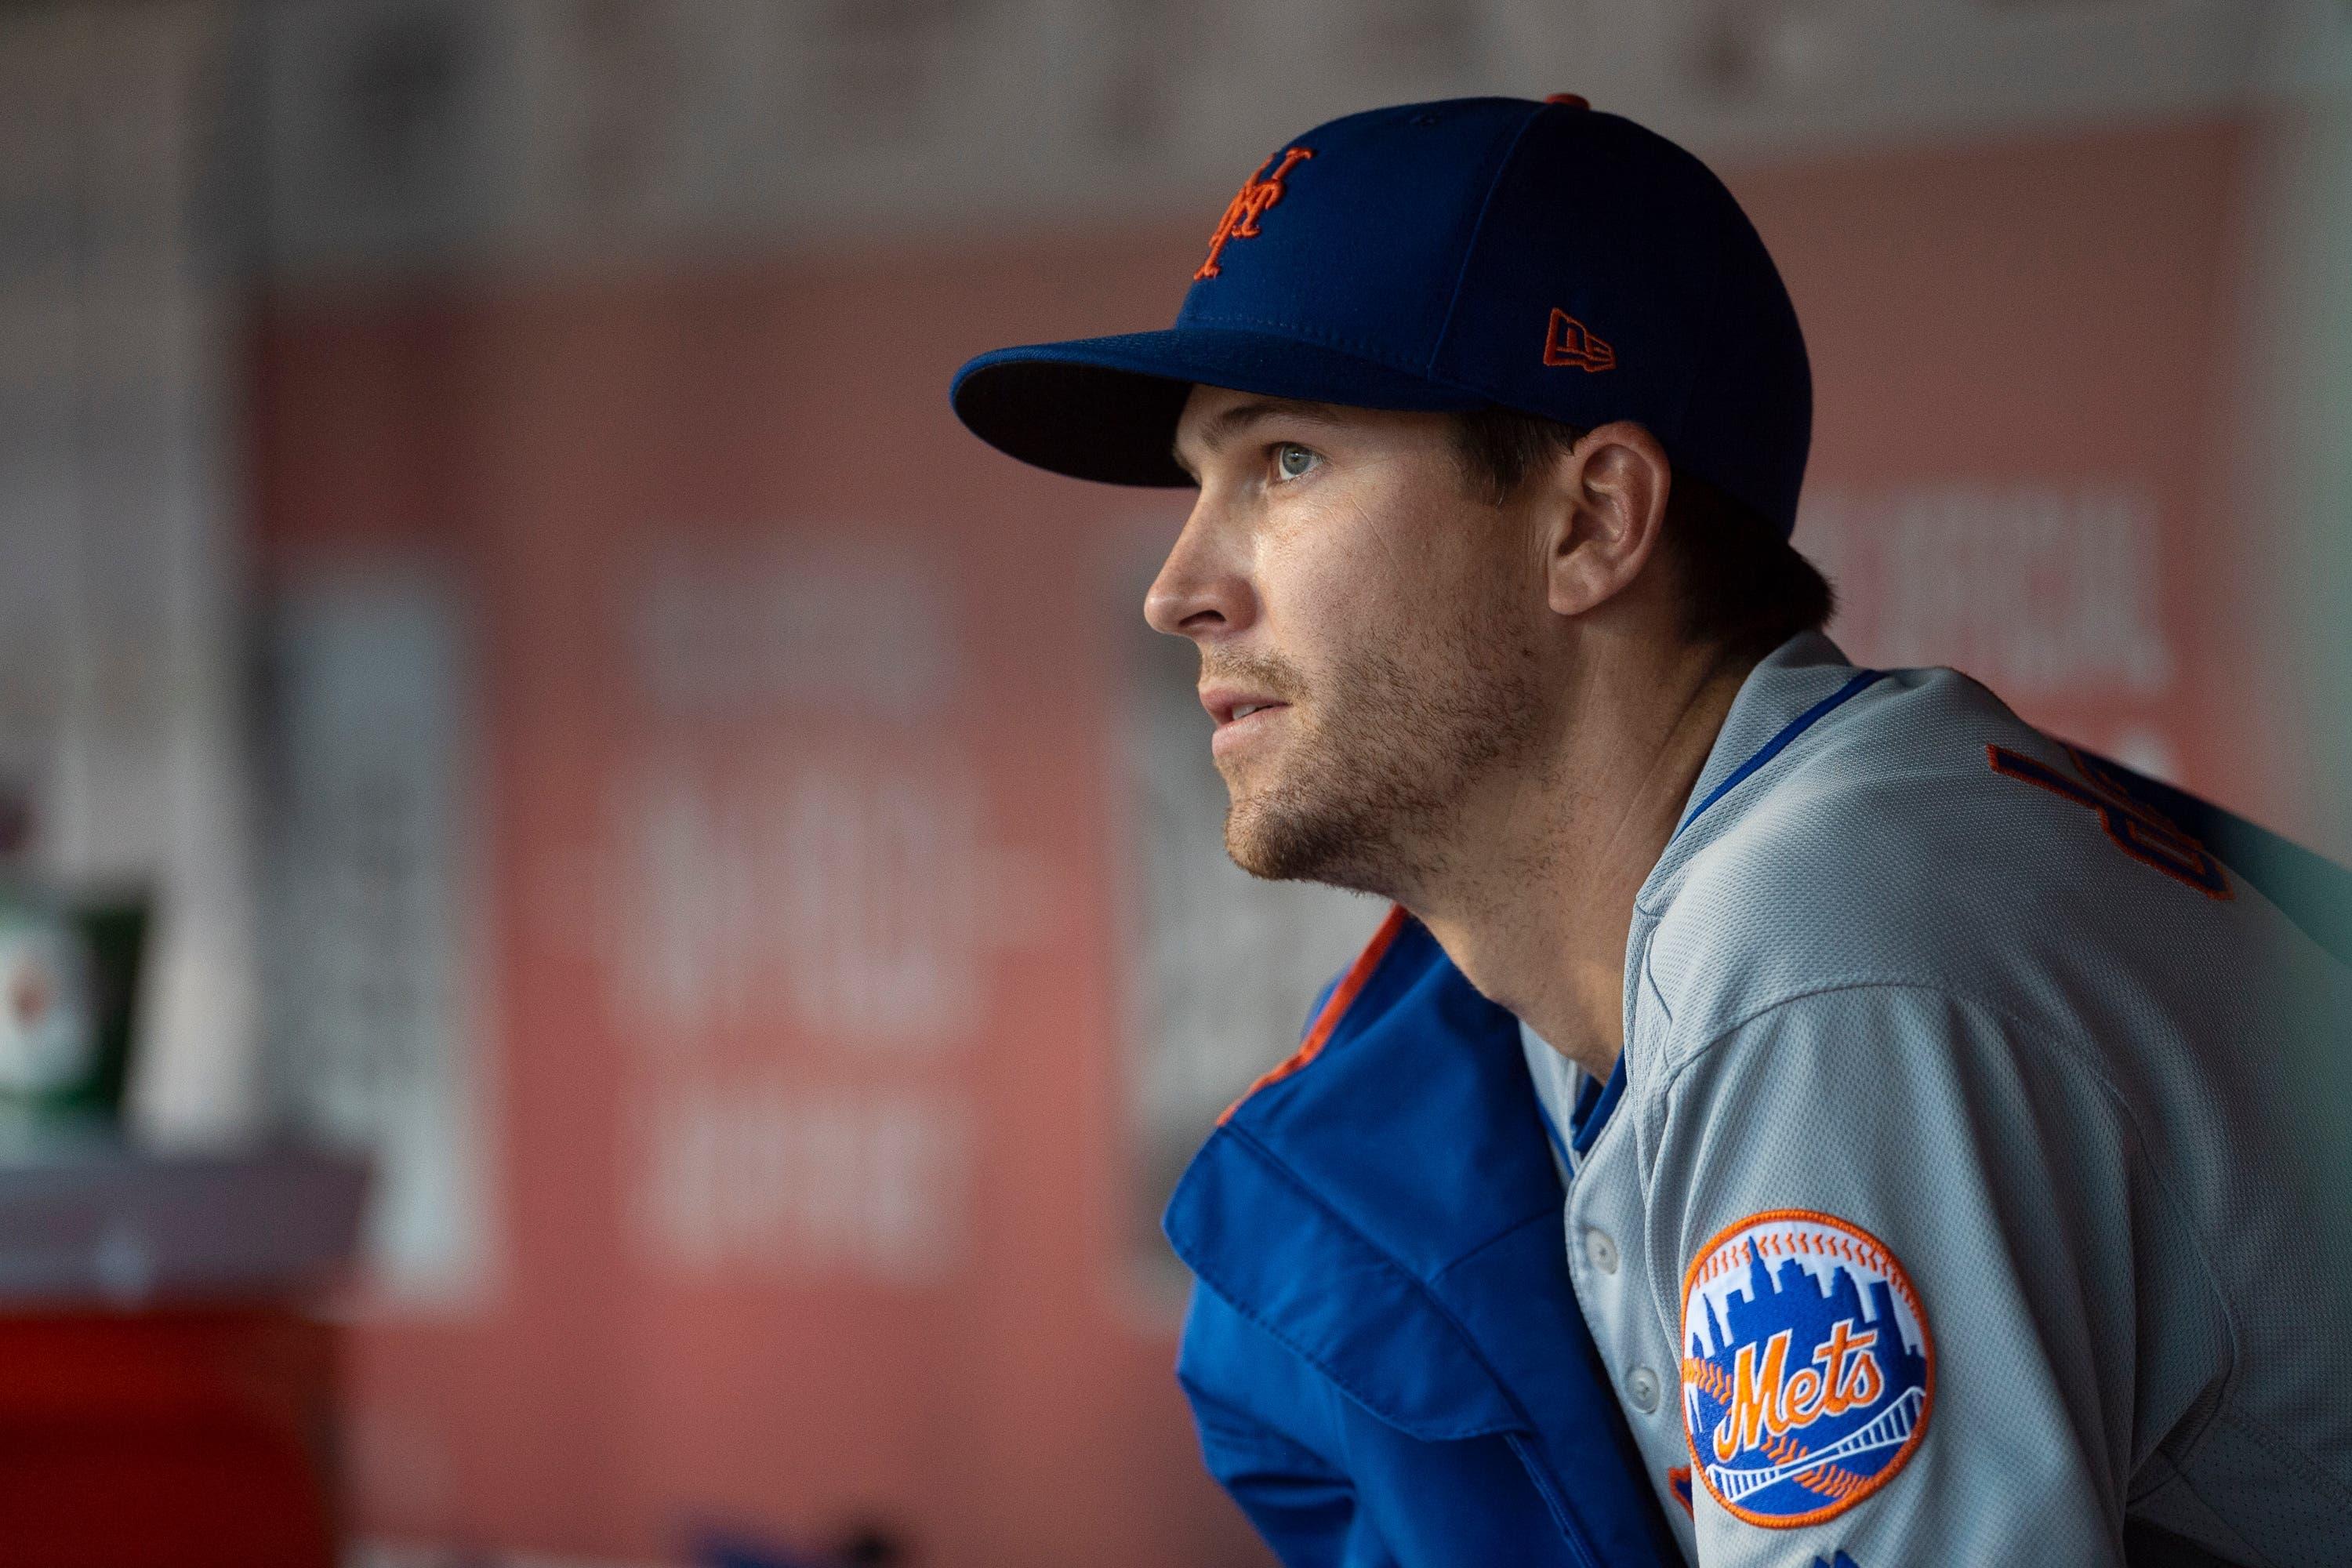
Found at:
[1569, 342]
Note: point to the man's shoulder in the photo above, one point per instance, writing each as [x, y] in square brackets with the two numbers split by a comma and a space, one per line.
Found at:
[1929, 839]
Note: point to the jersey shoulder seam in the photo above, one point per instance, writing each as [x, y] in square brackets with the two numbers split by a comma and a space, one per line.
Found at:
[2035, 1037]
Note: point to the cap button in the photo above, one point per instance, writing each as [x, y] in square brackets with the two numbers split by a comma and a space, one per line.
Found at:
[1569, 100]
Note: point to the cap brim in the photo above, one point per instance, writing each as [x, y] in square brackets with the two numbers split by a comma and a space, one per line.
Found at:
[1105, 408]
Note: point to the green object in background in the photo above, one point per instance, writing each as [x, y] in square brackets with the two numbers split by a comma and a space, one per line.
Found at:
[69, 980]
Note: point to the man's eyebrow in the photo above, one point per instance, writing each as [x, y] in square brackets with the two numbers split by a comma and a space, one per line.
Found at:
[1232, 422]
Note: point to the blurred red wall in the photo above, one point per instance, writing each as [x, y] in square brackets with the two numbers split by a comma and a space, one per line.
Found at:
[2044, 319]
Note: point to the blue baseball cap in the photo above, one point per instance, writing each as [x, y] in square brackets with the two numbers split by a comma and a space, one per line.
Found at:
[1472, 253]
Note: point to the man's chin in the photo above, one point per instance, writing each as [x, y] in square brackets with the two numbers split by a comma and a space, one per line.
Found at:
[1284, 842]
[1252, 853]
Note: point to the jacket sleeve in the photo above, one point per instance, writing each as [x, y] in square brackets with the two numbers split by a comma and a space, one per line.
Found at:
[1301, 1501]
[1898, 1240]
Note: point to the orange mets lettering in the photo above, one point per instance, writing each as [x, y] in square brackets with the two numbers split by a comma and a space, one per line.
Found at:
[1845, 1391]
[1765, 1397]
[1259, 192]
[1752, 1395]
[1571, 341]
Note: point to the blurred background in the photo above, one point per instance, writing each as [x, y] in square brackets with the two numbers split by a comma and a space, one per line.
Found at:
[611, 933]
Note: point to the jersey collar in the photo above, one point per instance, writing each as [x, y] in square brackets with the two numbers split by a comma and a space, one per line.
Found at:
[1779, 705]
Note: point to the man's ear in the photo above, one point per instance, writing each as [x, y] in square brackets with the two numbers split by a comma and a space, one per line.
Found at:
[1606, 506]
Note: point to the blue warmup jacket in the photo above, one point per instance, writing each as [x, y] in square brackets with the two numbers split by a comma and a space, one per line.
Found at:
[1384, 1355]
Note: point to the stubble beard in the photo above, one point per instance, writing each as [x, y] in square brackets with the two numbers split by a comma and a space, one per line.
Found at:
[1369, 796]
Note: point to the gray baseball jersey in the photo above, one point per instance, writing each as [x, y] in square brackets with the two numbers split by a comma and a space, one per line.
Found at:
[1971, 1185]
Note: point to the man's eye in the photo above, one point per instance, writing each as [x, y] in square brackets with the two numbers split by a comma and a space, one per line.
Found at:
[1292, 461]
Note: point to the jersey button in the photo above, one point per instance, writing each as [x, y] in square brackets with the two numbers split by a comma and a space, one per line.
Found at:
[1602, 1250]
[1642, 1389]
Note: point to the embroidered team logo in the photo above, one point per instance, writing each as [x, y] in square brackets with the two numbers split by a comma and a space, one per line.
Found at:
[1807, 1369]
[1259, 192]
[1569, 342]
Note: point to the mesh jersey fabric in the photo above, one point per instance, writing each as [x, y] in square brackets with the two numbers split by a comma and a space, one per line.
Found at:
[2074, 1094]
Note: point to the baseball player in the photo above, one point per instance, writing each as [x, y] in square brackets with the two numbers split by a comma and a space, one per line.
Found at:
[1795, 1114]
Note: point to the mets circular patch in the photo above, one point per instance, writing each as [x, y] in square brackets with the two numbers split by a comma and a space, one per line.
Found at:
[1807, 1369]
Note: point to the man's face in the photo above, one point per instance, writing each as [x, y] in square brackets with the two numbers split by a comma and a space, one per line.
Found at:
[1368, 631]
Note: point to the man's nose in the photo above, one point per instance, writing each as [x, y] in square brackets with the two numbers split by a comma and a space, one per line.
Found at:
[1203, 587]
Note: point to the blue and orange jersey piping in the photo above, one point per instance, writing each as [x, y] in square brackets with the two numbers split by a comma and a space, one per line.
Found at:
[1335, 1007]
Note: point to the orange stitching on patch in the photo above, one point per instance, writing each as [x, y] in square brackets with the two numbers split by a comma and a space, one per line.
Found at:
[1710, 1379]
[1569, 342]
[1826, 1480]
[1259, 192]
[1342, 997]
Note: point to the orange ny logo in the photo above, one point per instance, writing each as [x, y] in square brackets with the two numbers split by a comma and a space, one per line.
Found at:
[1259, 192]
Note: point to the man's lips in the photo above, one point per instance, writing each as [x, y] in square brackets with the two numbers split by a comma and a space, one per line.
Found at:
[1241, 716]
[1232, 704]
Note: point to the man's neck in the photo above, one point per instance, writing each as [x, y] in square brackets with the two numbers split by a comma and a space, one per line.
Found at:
[1537, 898]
